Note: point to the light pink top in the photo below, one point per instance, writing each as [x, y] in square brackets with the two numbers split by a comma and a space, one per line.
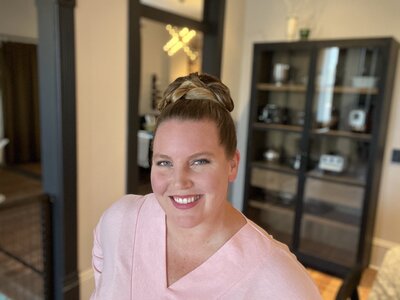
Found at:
[129, 261]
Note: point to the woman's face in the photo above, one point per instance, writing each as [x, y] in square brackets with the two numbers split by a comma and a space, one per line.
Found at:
[190, 172]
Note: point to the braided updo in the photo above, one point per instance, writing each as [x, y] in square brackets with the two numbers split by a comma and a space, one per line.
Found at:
[200, 97]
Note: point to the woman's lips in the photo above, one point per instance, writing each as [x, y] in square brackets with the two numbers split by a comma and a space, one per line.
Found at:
[185, 202]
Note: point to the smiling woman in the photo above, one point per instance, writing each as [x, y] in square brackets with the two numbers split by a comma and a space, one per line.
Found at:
[177, 242]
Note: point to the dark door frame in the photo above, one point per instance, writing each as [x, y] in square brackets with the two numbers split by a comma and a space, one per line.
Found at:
[212, 27]
[56, 54]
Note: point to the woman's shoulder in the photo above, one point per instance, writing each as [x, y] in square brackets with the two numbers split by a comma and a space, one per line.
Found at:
[273, 260]
[265, 240]
[126, 202]
[271, 250]
[126, 205]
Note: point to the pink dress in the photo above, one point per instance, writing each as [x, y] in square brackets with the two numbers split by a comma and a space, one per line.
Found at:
[129, 261]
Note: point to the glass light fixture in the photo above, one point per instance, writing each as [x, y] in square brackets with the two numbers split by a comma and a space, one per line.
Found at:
[180, 39]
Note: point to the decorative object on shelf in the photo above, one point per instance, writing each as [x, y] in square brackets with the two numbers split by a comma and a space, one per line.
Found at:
[271, 155]
[330, 121]
[281, 73]
[305, 13]
[364, 81]
[291, 28]
[332, 162]
[149, 123]
[304, 33]
[358, 120]
[3, 144]
[155, 92]
[297, 117]
[286, 199]
[273, 114]
[296, 162]
[317, 207]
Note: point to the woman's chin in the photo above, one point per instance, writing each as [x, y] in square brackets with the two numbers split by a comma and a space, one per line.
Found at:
[185, 222]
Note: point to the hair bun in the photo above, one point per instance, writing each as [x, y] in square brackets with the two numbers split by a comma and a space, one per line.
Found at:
[197, 87]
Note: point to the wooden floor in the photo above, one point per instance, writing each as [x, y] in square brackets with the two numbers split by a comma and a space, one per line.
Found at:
[20, 181]
[329, 285]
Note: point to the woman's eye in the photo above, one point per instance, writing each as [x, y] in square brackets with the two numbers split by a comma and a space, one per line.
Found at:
[199, 162]
[164, 163]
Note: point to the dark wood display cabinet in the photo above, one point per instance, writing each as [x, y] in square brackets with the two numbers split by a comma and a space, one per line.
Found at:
[318, 120]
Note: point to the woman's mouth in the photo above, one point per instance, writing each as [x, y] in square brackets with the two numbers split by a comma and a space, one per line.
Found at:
[185, 202]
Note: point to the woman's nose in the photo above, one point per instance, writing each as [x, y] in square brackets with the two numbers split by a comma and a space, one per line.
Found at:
[182, 178]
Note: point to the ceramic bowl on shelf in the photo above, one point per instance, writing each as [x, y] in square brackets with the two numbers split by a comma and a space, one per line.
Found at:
[271, 155]
[364, 81]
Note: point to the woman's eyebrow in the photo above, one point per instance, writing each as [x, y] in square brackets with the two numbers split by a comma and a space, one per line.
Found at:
[160, 156]
[195, 155]
[200, 154]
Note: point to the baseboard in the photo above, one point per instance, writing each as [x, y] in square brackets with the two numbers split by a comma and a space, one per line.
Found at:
[379, 248]
[86, 280]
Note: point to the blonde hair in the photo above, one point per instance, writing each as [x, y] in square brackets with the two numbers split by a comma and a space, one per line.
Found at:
[200, 97]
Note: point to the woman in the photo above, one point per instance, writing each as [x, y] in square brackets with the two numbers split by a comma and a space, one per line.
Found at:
[186, 241]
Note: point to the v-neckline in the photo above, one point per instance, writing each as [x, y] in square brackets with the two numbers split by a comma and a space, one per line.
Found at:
[204, 265]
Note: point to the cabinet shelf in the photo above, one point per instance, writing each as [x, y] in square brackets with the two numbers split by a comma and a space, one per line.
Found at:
[333, 218]
[280, 209]
[273, 166]
[342, 133]
[327, 252]
[281, 127]
[272, 87]
[347, 178]
[301, 88]
[349, 90]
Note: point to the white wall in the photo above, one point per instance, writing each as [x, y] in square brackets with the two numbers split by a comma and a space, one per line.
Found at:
[233, 50]
[265, 22]
[101, 76]
[18, 18]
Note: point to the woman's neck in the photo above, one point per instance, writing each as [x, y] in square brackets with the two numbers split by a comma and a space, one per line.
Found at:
[210, 232]
[188, 248]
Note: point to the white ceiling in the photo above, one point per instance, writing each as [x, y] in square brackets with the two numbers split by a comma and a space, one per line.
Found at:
[187, 8]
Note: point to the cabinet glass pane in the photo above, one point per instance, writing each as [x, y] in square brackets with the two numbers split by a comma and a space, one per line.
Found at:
[272, 201]
[346, 90]
[281, 87]
[278, 120]
[331, 220]
[273, 182]
[339, 159]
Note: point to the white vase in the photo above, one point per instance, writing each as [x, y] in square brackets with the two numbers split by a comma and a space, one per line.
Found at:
[291, 28]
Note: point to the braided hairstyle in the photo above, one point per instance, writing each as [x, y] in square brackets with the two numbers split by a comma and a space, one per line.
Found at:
[200, 97]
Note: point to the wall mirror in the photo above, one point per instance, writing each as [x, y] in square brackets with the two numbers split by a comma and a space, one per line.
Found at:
[151, 69]
[167, 52]
[188, 8]
[163, 59]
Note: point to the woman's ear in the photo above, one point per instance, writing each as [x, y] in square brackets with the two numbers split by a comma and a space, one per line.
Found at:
[234, 166]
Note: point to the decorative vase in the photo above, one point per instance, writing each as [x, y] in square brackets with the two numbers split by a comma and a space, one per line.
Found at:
[291, 28]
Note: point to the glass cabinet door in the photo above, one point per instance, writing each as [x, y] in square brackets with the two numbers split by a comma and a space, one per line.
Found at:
[277, 126]
[346, 89]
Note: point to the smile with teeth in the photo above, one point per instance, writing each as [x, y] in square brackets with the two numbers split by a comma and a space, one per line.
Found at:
[185, 200]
